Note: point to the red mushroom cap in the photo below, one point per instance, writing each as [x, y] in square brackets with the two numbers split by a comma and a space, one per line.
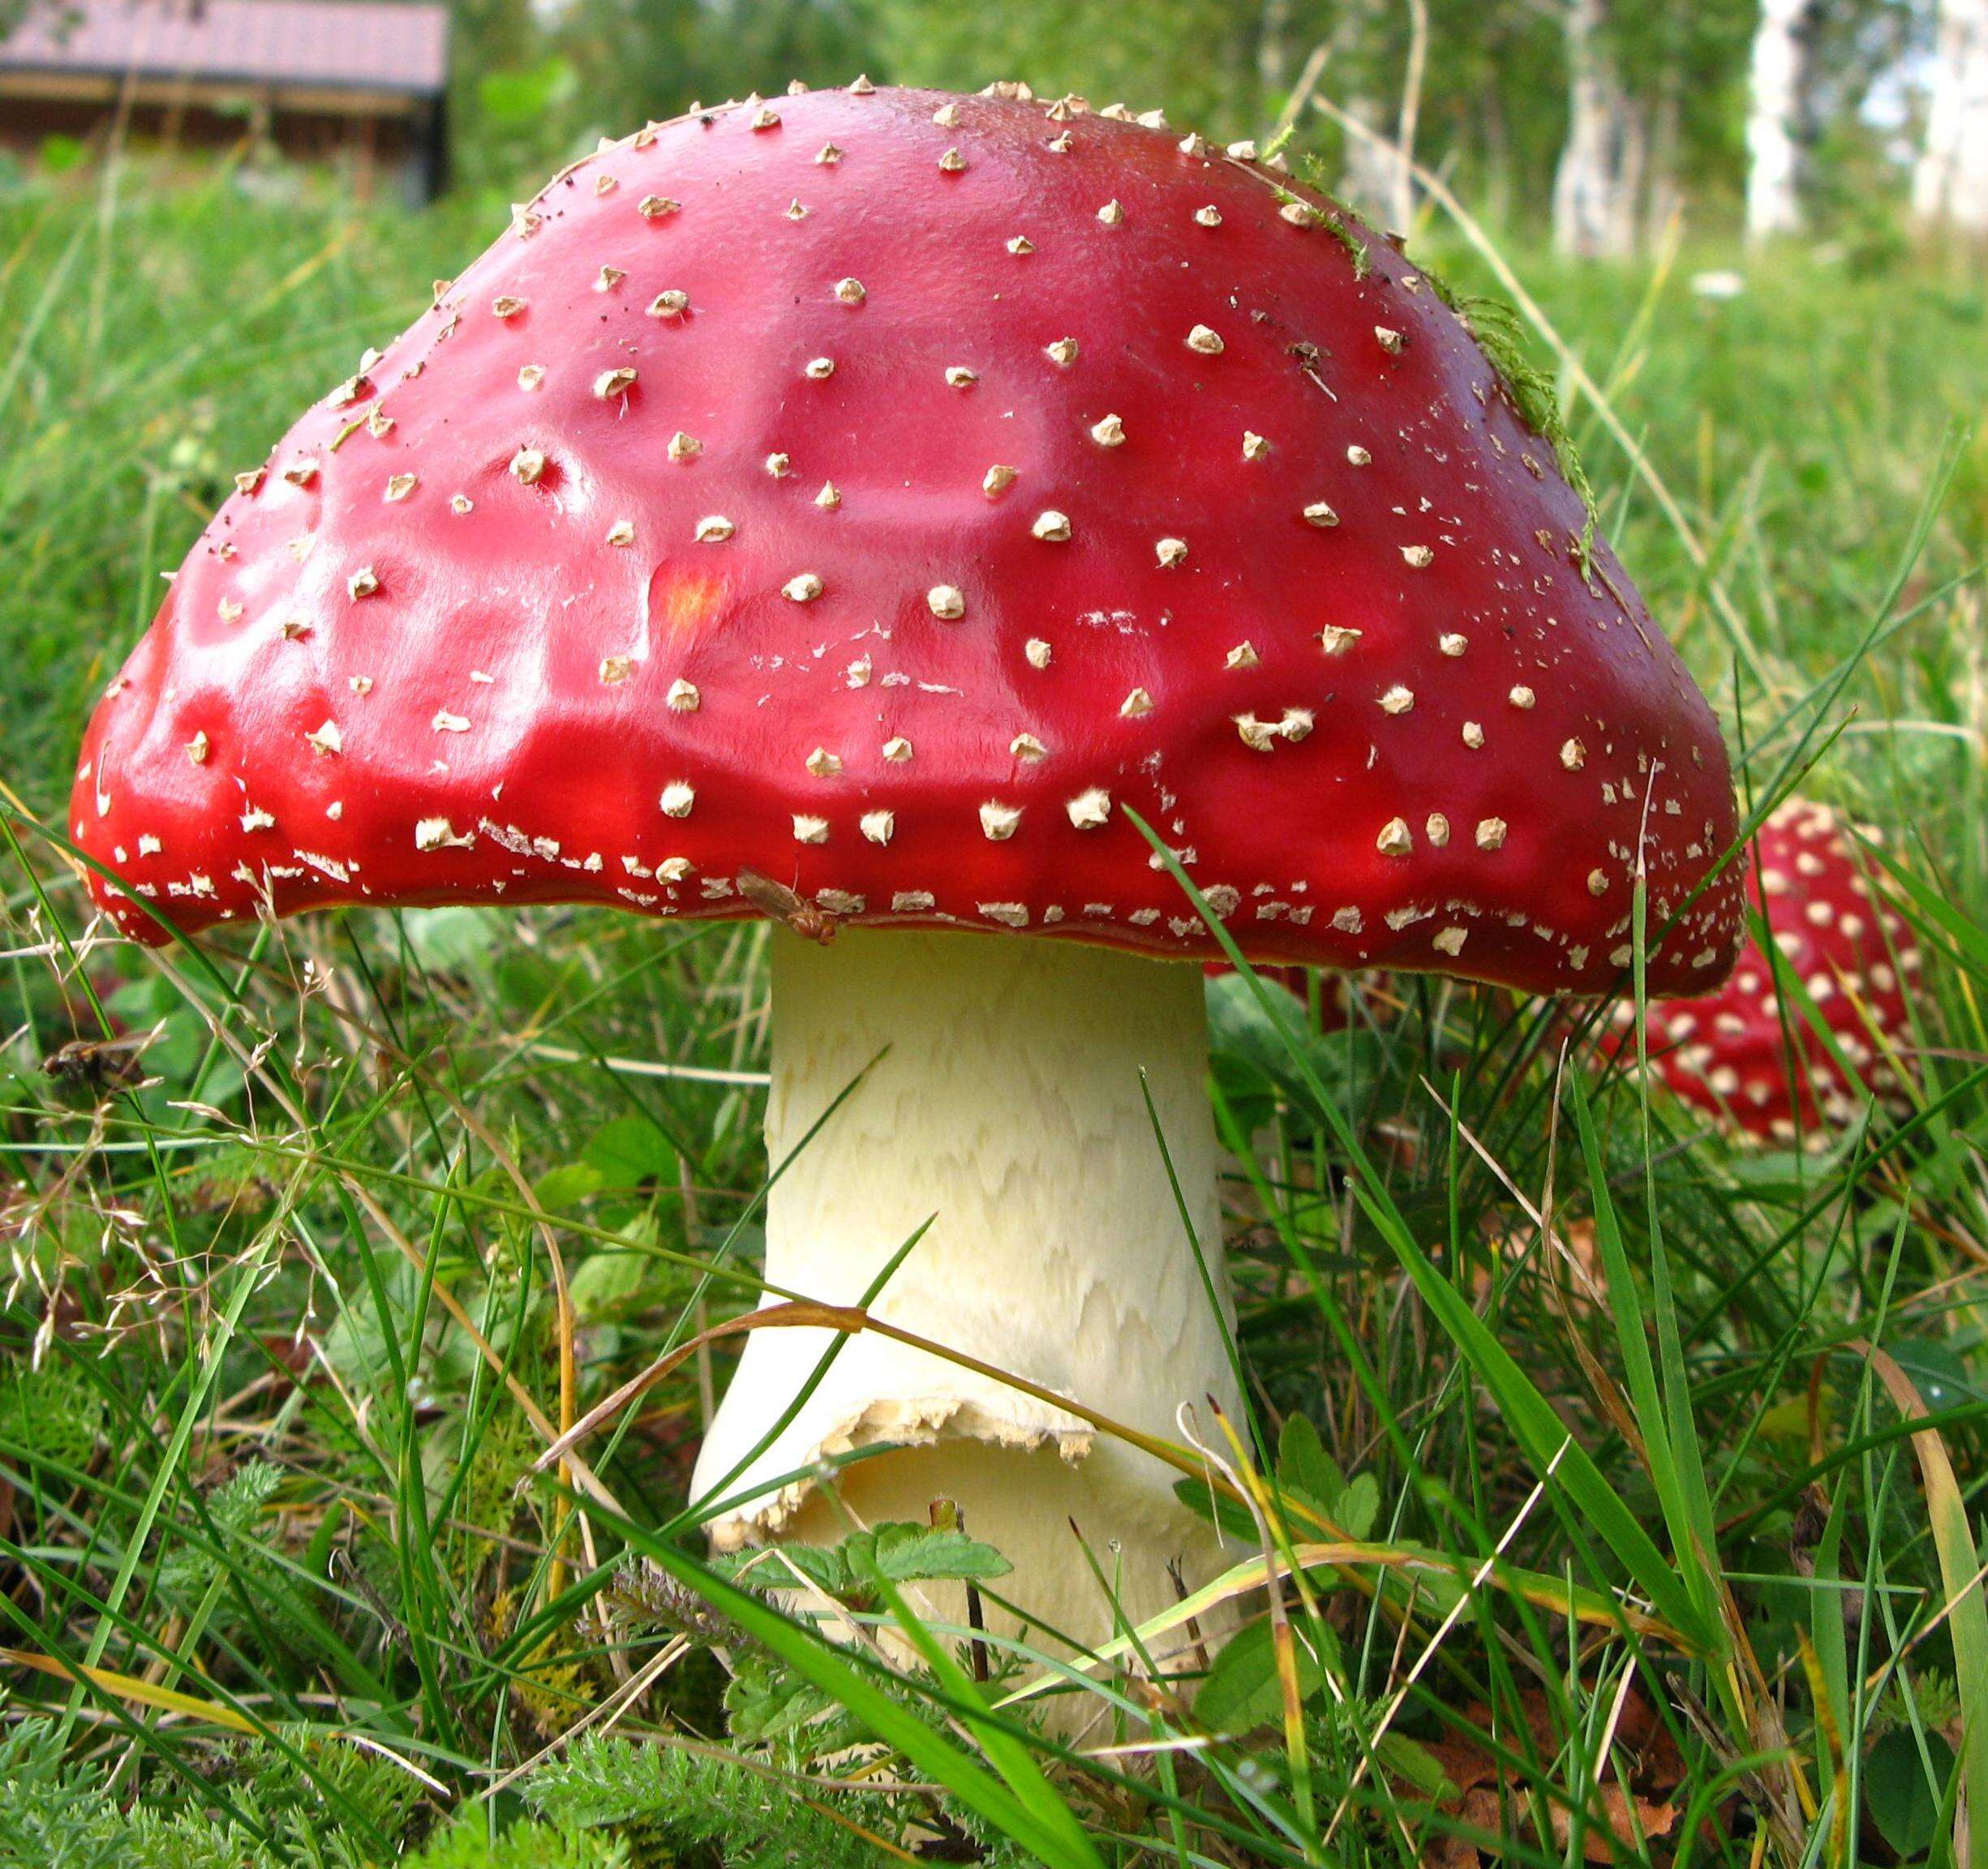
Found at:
[890, 492]
[1728, 1053]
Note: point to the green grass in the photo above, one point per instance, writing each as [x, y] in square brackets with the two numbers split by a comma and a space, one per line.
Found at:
[1624, 1502]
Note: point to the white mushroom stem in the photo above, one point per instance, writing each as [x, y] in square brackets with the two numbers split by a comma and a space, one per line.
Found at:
[1007, 1111]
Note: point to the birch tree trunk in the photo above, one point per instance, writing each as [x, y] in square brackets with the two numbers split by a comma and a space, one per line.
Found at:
[1773, 110]
[1376, 178]
[1950, 182]
[1596, 184]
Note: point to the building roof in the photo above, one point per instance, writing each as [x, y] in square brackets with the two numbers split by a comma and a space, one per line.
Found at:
[358, 45]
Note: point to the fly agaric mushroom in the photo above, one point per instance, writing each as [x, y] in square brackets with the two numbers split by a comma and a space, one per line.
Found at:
[1748, 1055]
[785, 512]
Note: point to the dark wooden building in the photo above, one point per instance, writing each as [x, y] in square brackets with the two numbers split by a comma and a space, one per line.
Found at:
[364, 82]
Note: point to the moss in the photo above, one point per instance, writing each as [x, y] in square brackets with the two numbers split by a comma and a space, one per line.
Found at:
[1500, 332]
[1337, 224]
[1336, 220]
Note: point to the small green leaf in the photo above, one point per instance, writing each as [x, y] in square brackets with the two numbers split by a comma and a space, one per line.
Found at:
[1902, 1800]
[900, 1553]
[1403, 1759]
[1359, 1506]
[629, 1151]
[909, 1553]
[455, 939]
[608, 1285]
[562, 1187]
[1233, 1520]
[1302, 1462]
[1243, 1690]
[760, 1568]
[764, 1700]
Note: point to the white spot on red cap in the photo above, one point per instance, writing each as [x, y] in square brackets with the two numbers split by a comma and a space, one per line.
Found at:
[438, 834]
[1089, 810]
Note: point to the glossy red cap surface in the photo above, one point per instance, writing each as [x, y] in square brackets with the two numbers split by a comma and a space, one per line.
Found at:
[1728, 1053]
[890, 492]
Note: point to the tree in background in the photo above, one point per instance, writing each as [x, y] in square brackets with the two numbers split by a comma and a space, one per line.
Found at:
[1612, 113]
[1597, 179]
[1950, 181]
[1775, 105]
